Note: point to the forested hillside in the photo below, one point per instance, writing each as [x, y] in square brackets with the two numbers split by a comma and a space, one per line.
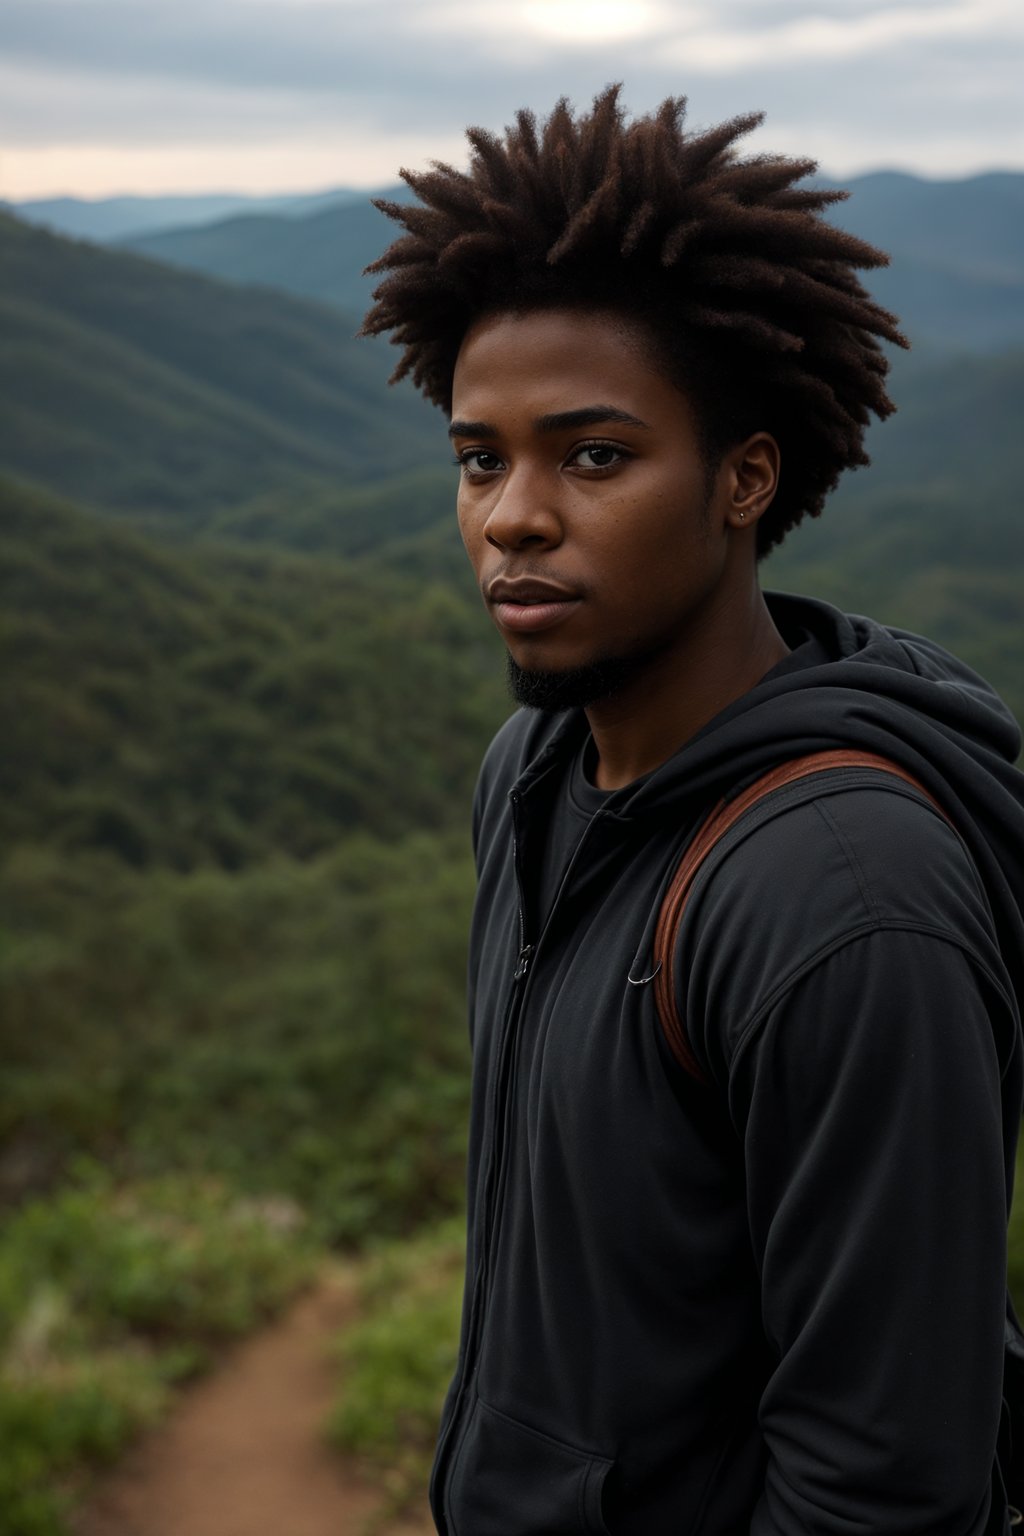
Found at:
[223, 704]
[234, 895]
[248, 683]
[131, 386]
[929, 537]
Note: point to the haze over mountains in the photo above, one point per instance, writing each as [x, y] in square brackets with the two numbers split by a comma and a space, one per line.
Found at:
[112, 218]
[956, 279]
[957, 247]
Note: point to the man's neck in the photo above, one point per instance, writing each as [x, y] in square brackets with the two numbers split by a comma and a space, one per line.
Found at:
[642, 725]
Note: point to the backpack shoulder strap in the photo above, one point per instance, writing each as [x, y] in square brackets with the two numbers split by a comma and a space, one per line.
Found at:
[704, 841]
[1008, 1469]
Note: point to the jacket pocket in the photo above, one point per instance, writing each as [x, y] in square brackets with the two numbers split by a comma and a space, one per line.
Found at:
[511, 1480]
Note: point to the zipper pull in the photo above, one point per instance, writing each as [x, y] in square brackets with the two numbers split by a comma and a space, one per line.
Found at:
[523, 964]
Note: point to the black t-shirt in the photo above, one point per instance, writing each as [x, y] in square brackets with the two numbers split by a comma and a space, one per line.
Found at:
[573, 803]
[575, 798]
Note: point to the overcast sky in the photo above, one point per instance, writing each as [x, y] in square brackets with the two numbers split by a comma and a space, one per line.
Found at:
[99, 97]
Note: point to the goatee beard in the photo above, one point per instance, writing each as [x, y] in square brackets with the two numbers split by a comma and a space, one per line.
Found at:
[573, 688]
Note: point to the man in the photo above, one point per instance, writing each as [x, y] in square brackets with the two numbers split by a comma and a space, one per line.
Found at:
[751, 1279]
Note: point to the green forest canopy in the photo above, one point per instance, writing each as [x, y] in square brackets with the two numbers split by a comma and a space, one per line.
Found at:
[241, 637]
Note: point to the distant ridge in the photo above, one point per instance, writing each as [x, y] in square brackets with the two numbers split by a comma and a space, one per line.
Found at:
[320, 255]
[956, 276]
[137, 387]
[113, 218]
[973, 225]
[957, 248]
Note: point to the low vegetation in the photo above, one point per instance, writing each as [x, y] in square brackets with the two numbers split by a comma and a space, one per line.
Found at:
[297, 1029]
[398, 1359]
[109, 1295]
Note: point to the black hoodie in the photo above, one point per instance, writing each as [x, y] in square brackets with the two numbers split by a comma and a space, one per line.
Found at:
[772, 1302]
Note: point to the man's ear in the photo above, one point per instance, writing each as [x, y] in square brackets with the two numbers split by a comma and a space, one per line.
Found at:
[751, 479]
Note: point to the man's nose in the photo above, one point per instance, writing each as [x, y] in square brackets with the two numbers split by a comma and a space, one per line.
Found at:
[524, 512]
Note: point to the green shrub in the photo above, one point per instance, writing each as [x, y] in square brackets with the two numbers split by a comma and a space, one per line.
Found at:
[295, 1027]
[174, 1258]
[398, 1359]
[108, 1296]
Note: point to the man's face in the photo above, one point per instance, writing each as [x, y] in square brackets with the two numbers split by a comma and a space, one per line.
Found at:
[584, 501]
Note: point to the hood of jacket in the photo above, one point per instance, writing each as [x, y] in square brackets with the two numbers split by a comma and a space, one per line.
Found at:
[852, 682]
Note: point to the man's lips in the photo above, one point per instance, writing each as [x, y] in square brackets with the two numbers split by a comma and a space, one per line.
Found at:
[525, 605]
[528, 617]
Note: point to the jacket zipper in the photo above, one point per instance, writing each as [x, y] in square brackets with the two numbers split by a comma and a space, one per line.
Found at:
[502, 1111]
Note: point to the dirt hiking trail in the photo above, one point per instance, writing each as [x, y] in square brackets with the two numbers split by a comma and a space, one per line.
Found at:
[243, 1453]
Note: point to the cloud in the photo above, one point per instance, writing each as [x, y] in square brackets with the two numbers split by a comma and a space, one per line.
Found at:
[928, 84]
[812, 37]
[311, 46]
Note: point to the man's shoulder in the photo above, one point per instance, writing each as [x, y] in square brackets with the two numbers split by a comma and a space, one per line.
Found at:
[843, 852]
[866, 876]
[816, 868]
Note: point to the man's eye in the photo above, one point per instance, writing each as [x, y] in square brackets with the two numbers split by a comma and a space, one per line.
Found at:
[477, 461]
[598, 456]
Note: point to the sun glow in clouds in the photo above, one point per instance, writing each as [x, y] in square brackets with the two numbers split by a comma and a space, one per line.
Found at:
[590, 22]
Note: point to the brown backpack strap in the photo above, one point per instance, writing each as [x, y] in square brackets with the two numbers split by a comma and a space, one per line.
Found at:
[710, 832]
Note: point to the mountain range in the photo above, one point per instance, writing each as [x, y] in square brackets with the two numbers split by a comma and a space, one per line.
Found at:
[131, 385]
[956, 277]
[288, 588]
[957, 246]
[111, 218]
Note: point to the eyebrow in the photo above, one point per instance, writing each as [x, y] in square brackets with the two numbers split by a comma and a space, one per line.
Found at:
[559, 421]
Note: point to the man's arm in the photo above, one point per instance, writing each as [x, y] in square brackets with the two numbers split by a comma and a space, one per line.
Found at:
[869, 1100]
